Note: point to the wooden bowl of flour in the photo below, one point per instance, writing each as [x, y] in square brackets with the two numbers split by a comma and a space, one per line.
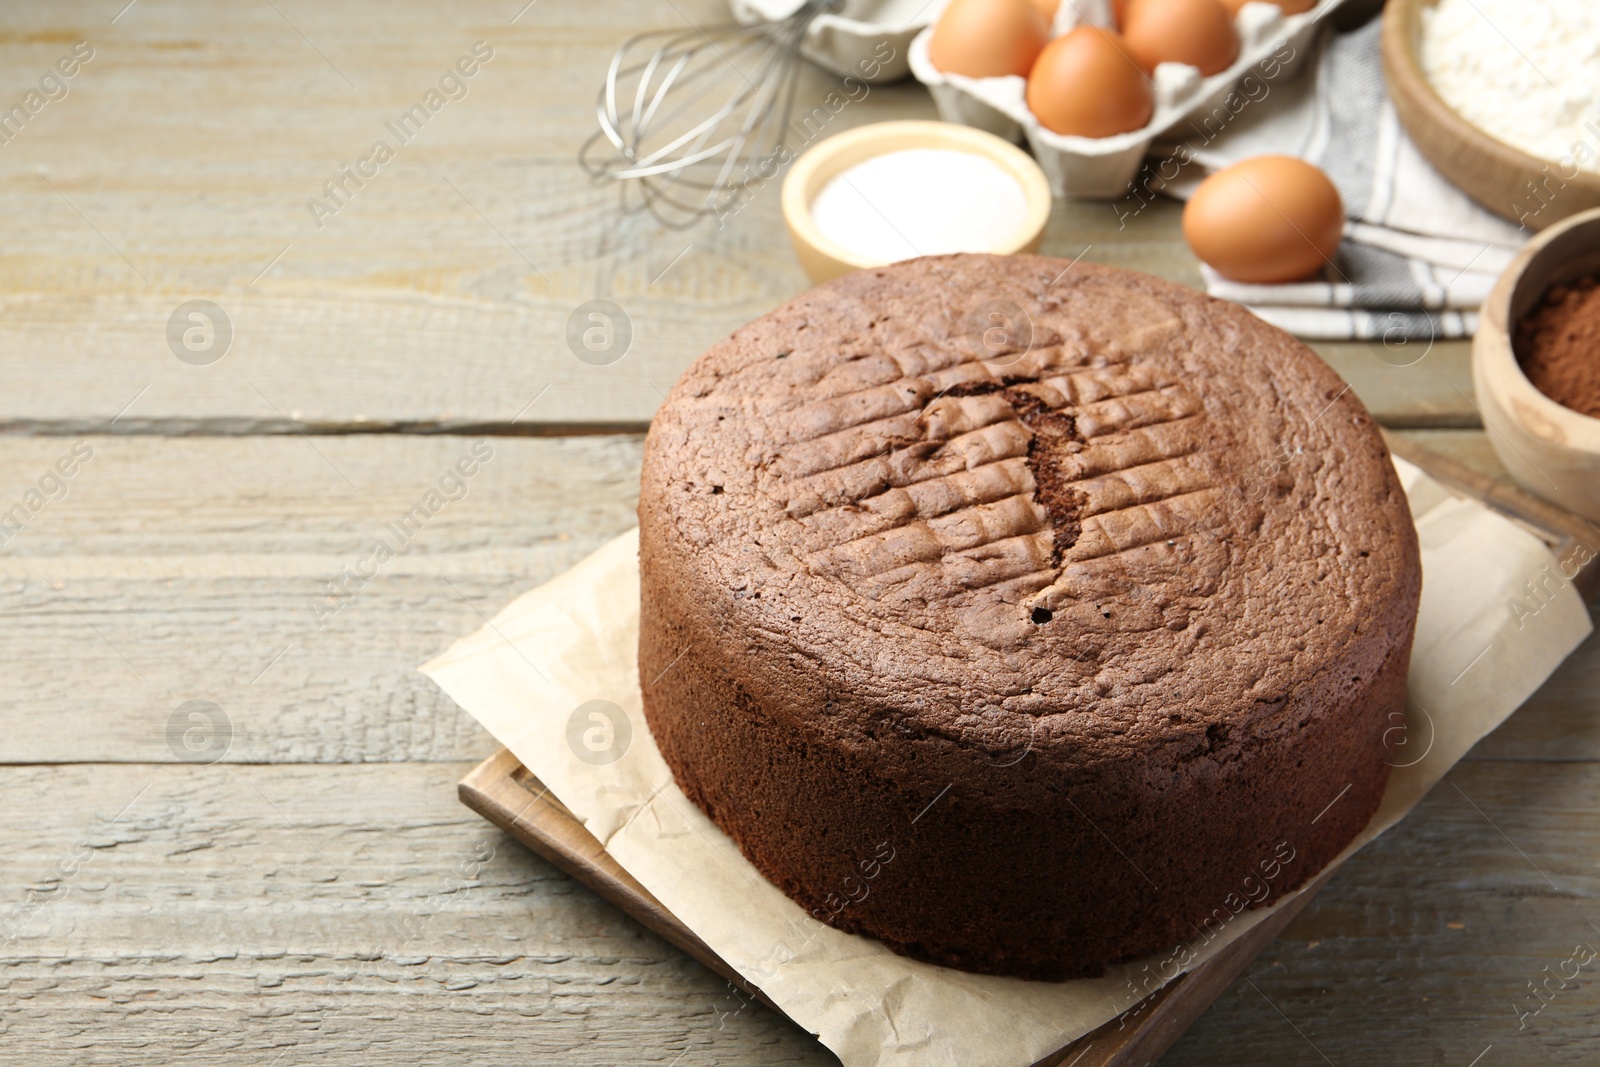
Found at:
[1506, 180]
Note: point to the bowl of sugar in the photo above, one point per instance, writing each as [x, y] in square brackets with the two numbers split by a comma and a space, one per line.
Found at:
[891, 191]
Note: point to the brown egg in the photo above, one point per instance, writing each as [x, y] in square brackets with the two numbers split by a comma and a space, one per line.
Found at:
[1048, 9]
[988, 38]
[1266, 220]
[1084, 83]
[1197, 32]
[1289, 7]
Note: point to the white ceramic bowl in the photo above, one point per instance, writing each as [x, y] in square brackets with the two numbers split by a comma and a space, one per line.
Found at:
[819, 164]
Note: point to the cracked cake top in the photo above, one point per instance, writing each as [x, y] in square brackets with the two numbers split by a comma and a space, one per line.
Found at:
[979, 491]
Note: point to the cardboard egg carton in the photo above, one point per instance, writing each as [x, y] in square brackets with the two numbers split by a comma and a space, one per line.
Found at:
[865, 39]
[1272, 46]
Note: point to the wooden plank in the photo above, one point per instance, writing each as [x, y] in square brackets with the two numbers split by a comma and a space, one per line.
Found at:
[1471, 449]
[504, 792]
[356, 914]
[210, 924]
[1433, 392]
[179, 167]
[203, 559]
[187, 569]
[1322, 992]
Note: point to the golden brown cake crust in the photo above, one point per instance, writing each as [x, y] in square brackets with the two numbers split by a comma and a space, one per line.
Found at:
[1114, 576]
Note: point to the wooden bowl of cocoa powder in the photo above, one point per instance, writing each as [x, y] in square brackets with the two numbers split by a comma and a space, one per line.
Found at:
[1536, 365]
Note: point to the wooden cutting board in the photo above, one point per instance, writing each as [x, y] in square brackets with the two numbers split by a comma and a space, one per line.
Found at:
[508, 795]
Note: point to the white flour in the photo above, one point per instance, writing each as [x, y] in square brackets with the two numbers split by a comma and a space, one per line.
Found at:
[921, 202]
[1524, 71]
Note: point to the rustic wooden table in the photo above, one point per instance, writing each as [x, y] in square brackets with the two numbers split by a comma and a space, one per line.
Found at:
[281, 873]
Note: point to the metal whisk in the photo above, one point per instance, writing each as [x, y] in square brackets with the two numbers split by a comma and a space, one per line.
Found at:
[687, 114]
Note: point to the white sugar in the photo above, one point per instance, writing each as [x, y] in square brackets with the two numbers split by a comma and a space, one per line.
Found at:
[921, 202]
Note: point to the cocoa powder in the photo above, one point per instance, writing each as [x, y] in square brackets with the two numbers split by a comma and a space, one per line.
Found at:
[1558, 345]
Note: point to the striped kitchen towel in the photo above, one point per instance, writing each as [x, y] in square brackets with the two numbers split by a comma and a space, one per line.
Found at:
[1419, 256]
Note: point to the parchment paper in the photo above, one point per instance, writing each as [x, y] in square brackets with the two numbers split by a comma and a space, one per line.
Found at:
[528, 675]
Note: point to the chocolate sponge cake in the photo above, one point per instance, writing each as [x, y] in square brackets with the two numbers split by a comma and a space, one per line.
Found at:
[1025, 616]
